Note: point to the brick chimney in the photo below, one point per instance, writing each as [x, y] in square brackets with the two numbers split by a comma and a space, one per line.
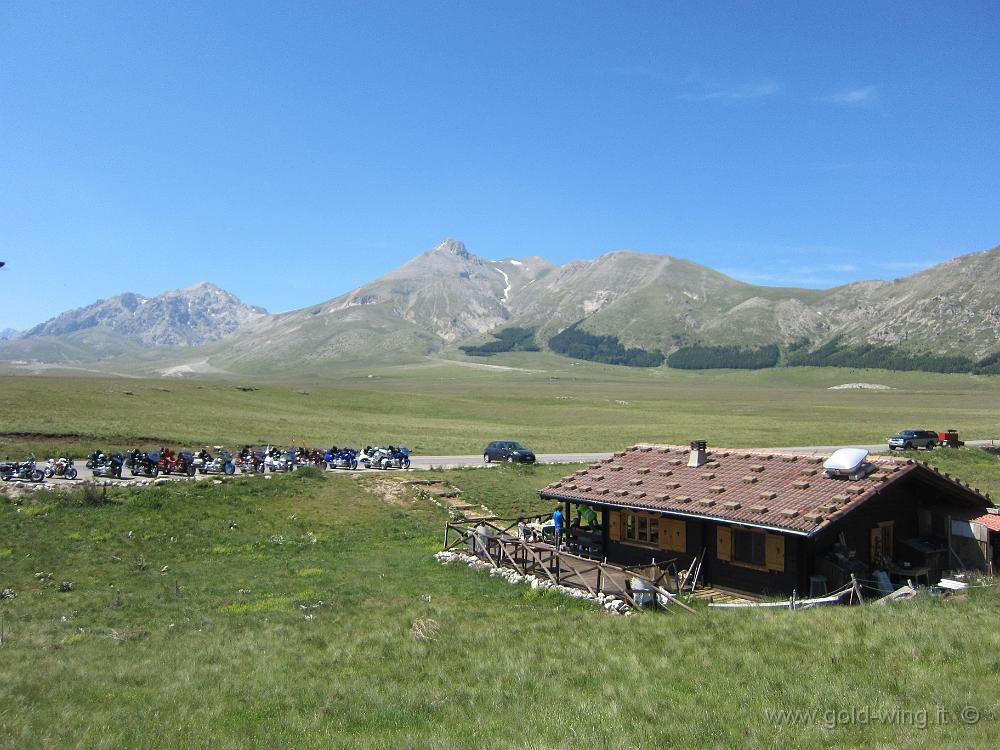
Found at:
[698, 455]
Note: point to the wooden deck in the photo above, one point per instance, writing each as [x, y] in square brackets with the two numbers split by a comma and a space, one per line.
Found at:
[712, 595]
[492, 541]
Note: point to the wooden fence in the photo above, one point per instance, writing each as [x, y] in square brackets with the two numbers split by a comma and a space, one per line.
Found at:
[496, 542]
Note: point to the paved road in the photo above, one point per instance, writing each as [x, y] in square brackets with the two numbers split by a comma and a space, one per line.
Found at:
[459, 462]
[456, 462]
[878, 447]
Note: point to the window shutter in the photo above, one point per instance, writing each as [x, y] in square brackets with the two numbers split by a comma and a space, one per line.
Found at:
[673, 535]
[723, 543]
[775, 552]
[615, 520]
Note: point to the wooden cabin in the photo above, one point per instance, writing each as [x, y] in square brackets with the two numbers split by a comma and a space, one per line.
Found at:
[986, 531]
[771, 523]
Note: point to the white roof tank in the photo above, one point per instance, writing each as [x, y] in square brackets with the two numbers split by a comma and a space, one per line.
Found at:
[846, 462]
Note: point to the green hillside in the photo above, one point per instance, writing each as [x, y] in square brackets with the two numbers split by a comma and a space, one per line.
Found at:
[308, 612]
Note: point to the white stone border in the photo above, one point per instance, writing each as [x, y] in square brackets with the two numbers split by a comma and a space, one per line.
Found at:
[611, 603]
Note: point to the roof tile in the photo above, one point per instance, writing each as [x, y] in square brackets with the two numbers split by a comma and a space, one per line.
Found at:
[762, 488]
[990, 521]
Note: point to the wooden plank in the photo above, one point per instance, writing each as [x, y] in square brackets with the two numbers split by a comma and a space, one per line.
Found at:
[582, 579]
[672, 599]
[539, 563]
[462, 538]
[486, 551]
[900, 594]
[781, 605]
[697, 572]
[513, 562]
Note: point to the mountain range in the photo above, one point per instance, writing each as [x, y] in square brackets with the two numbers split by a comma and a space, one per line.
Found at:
[448, 296]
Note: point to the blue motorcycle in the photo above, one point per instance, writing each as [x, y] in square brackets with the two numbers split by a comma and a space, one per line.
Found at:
[342, 458]
[388, 458]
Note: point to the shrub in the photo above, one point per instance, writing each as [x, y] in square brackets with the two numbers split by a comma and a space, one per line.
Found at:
[309, 472]
[834, 354]
[573, 342]
[701, 357]
[512, 339]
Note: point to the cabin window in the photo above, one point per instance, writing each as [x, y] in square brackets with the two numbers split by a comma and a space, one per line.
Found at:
[642, 528]
[749, 547]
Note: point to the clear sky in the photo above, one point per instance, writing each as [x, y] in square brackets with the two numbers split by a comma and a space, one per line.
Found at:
[292, 151]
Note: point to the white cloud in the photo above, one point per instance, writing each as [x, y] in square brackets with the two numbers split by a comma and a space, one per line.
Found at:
[745, 92]
[856, 97]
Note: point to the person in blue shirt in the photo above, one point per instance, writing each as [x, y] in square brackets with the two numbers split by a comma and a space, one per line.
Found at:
[557, 524]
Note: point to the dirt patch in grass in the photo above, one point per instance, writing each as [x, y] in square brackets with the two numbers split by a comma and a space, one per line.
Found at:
[392, 491]
[55, 437]
[71, 437]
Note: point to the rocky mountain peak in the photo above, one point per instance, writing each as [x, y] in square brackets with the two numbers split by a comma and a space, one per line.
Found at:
[207, 286]
[453, 247]
[180, 317]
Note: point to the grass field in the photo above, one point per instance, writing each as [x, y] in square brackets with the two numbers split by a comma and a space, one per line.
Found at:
[287, 613]
[449, 409]
[291, 612]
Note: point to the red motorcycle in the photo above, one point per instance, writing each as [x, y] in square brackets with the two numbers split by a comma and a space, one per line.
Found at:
[249, 461]
[60, 467]
[171, 463]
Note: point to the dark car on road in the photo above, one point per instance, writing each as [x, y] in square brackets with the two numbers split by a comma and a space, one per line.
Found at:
[910, 439]
[510, 451]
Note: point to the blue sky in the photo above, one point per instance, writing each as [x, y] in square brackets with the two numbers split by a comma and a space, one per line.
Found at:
[292, 151]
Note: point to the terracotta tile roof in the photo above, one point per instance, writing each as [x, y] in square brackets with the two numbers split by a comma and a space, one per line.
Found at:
[990, 521]
[774, 489]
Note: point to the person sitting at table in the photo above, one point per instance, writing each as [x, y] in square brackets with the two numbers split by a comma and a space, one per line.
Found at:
[523, 533]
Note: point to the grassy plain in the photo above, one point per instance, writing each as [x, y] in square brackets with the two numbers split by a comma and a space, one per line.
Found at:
[447, 408]
[288, 613]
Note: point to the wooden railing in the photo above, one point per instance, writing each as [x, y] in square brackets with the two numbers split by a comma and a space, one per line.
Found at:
[496, 542]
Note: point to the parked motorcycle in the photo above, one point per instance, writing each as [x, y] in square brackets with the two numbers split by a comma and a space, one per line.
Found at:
[102, 464]
[27, 470]
[341, 458]
[171, 463]
[250, 461]
[388, 458]
[143, 464]
[307, 456]
[182, 463]
[279, 460]
[60, 467]
[206, 464]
